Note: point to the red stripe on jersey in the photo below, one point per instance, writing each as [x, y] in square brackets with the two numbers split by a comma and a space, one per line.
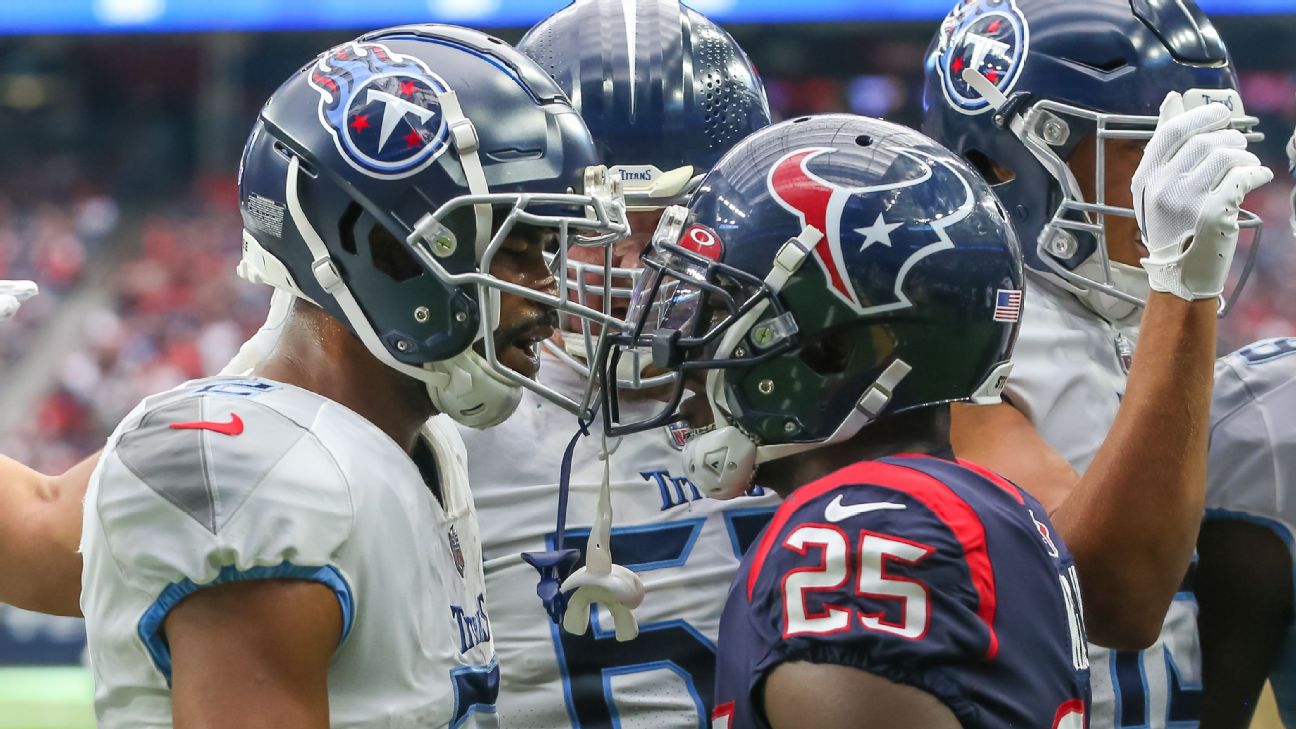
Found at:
[957, 515]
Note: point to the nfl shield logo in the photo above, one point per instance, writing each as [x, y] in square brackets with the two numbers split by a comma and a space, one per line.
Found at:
[1044, 535]
[456, 551]
[1124, 352]
[678, 432]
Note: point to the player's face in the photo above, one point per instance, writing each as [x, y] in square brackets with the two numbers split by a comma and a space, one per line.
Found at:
[625, 254]
[1122, 159]
[524, 324]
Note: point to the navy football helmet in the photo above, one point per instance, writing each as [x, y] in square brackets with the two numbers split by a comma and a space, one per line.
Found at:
[381, 180]
[665, 93]
[1016, 85]
[830, 271]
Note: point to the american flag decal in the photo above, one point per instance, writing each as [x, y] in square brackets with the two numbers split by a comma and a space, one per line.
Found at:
[1008, 306]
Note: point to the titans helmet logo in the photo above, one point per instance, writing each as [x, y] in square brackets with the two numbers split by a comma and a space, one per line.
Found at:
[988, 36]
[381, 108]
[884, 229]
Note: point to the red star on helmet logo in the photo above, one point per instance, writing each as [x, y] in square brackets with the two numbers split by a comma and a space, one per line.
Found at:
[958, 65]
[414, 138]
[992, 76]
[995, 26]
[408, 88]
[360, 123]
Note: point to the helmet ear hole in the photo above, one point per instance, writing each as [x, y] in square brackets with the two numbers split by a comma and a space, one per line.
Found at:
[994, 172]
[829, 353]
[390, 257]
[347, 226]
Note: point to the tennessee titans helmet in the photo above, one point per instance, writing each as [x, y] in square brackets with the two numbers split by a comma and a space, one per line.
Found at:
[381, 180]
[1015, 86]
[829, 272]
[665, 93]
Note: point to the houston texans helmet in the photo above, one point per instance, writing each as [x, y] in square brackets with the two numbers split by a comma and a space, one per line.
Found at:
[1015, 86]
[829, 272]
[381, 179]
[665, 93]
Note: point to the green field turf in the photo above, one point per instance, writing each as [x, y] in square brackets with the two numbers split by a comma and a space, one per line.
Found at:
[46, 698]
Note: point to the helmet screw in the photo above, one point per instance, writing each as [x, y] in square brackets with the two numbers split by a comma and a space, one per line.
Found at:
[739, 352]
[422, 314]
[443, 246]
[1055, 132]
[791, 427]
[1063, 245]
[763, 336]
[766, 387]
[461, 317]
[403, 345]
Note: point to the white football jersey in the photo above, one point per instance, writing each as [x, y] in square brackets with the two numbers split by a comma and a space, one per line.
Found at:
[1253, 461]
[229, 479]
[1069, 373]
[686, 548]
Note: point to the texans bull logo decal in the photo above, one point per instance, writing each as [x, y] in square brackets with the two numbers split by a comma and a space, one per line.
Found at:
[382, 108]
[891, 235]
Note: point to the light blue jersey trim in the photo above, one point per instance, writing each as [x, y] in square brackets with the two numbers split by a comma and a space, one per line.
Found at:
[150, 624]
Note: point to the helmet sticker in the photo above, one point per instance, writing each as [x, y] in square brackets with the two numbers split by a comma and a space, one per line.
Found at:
[1008, 306]
[381, 108]
[871, 221]
[989, 36]
[703, 241]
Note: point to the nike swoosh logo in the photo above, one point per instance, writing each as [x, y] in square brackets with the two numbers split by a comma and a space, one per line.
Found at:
[837, 511]
[233, 427]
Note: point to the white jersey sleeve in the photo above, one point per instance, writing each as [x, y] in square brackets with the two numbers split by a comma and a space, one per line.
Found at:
[182, 498]
[233, 479]
[1253, 436]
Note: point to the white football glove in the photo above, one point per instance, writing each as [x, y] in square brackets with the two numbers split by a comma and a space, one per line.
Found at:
[1291, 166]
[1187, 192]
[12, 294]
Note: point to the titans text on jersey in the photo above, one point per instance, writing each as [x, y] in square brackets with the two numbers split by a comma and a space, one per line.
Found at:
[923, 571]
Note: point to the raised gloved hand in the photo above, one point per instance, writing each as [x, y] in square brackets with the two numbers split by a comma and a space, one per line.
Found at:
[12, 294]
[1187, 192]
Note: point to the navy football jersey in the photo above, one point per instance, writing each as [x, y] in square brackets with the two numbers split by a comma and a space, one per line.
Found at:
[930, 573]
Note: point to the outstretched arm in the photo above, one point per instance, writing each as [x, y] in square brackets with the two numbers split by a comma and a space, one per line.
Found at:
[40, 531]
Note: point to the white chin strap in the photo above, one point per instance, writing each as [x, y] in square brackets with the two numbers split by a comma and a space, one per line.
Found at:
[463, 387]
